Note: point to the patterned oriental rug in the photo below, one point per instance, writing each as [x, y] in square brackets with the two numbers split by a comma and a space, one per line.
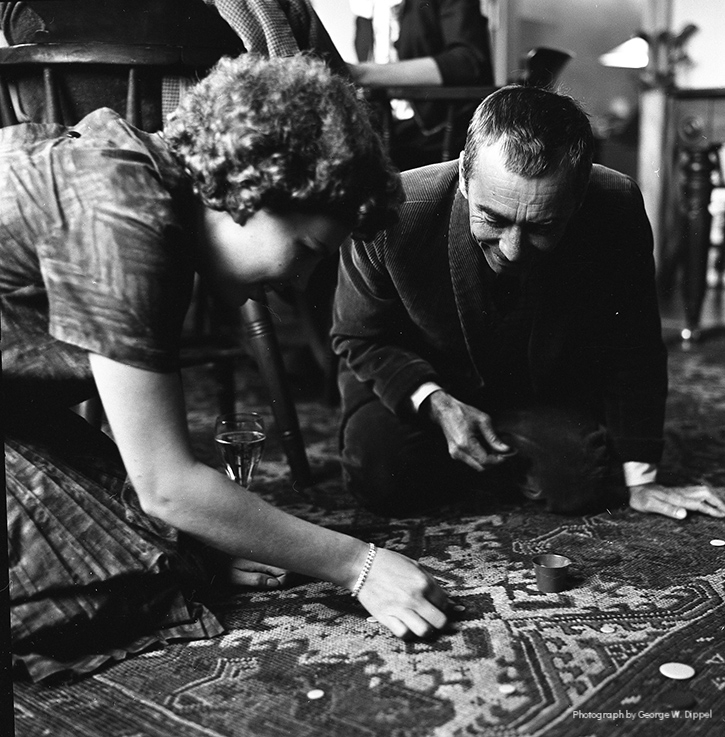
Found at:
[581, 663]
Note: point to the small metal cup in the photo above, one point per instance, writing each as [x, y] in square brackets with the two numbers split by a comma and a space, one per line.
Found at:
[552, 572]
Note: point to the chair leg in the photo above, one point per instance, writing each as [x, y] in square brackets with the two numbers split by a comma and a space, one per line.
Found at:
[263, 341]
[446, 152]
[696, 242]
[7, 111]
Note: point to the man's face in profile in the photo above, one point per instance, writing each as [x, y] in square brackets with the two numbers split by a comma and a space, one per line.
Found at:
[515, 219]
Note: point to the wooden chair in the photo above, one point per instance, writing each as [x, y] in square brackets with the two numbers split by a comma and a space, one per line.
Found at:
[143, 66]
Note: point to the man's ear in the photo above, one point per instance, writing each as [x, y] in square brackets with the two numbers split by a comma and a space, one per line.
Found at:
[461, 181]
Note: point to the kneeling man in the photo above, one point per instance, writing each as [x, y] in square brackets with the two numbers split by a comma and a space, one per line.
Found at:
[506, 329]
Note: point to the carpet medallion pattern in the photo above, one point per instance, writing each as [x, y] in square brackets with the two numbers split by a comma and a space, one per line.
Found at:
[307, 662]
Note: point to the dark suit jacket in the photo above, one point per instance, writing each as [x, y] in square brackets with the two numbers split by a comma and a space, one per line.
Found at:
[413, 305]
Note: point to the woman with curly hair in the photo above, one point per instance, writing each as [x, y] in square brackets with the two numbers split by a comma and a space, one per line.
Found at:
[264, 170]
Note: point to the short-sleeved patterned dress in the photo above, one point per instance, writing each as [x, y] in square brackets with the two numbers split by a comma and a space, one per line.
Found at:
[94, 257]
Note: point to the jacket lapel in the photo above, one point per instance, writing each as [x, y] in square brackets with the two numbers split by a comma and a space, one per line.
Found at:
[551, 300]
[473, 301]
[467, 263]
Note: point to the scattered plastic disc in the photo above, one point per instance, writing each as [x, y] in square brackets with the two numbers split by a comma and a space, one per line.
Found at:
[459, 608]
[607, 629]
[315, 693]
[507, 688]
[717, 542]
[678, 700]
[371, 619]
[678, 671]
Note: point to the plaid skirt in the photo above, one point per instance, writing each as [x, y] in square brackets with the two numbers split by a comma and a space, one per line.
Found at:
[92, 578]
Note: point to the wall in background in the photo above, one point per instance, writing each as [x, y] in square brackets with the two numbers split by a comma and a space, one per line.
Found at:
[588, 29]
[340, 24]
[705, 48]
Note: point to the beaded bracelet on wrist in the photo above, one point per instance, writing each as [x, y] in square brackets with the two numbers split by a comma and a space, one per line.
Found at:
[372, 550]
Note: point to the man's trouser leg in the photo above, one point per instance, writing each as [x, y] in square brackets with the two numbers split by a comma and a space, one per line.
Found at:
[397, 468]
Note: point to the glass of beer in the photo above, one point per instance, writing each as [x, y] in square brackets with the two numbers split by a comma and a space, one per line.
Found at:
[240, 438]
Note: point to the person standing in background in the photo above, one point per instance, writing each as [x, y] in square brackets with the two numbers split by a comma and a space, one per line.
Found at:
[422, 42]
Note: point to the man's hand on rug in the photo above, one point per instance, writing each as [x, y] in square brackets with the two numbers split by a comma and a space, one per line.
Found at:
[403, 597]
[676, 501]
[244, 572]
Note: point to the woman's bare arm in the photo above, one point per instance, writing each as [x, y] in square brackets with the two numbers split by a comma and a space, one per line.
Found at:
[147, 415]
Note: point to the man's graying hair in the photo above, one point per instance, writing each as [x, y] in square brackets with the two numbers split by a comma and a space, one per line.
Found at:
[542, 132]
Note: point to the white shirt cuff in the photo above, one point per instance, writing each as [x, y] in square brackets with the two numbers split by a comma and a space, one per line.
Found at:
[422, 393]
[637, 473]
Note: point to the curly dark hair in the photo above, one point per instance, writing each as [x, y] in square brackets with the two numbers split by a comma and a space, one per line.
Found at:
[284, 133]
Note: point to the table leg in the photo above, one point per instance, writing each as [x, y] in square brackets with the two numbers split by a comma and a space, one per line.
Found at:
[697, 167]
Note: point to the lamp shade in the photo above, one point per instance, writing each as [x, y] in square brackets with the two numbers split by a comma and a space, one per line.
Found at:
[632, 54]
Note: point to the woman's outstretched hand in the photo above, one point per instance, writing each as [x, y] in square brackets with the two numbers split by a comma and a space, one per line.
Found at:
[403, 597]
